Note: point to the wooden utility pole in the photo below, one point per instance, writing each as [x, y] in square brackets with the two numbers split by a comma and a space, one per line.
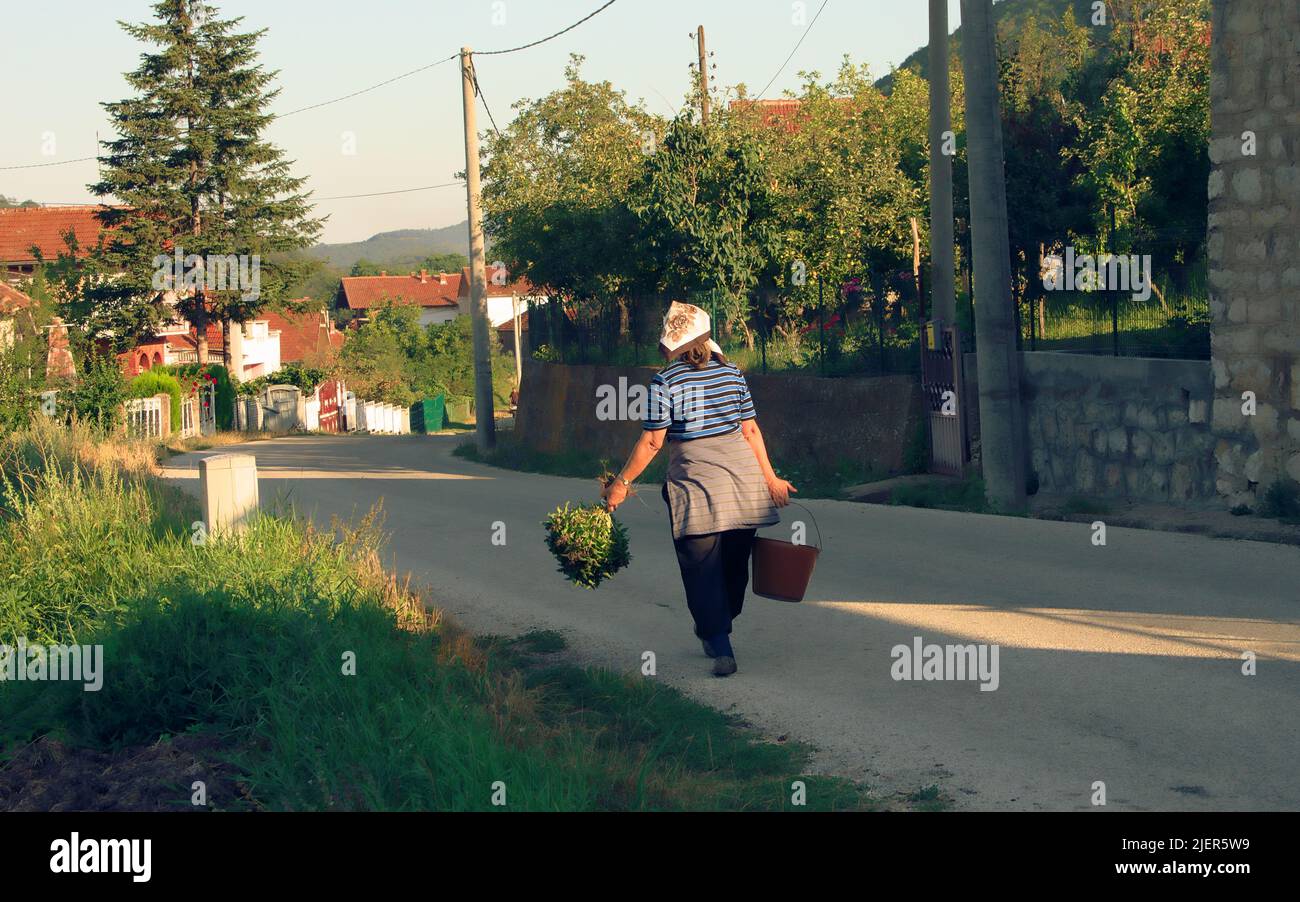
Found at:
[485, 427]
[704, 77]
[943, 299]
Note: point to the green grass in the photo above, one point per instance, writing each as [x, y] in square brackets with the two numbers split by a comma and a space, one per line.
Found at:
[512, 454]
[249, 639]
[967, 495]
[811, 479]
[1079, 504]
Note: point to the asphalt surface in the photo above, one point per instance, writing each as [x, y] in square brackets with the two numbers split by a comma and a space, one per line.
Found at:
[1119, 663]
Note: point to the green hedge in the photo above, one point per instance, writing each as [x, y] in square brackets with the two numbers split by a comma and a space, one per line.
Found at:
[157, 382]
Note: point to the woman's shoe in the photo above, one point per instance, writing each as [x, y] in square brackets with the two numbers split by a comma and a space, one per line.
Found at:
[708, 649]
[724, 665]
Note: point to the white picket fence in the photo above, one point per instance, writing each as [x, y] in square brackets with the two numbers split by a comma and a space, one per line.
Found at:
[144, 418]
[381, 419]
[284, 408]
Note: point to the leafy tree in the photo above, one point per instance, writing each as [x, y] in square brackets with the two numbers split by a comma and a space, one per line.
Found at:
[706, 203]
[555, 192]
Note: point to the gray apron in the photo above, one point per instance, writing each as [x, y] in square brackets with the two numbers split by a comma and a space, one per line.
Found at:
[714, 484]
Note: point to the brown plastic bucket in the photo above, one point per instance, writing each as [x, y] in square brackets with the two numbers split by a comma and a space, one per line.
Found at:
[783, 569]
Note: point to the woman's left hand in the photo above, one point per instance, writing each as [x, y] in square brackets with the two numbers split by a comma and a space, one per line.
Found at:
[615, 493]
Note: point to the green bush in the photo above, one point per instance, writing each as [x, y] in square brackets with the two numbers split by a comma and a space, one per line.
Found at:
[158, 382]
[296, 374]
[590, 545]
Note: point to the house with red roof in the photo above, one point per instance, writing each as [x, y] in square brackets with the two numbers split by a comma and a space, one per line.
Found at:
[24, 228]
[13, 303]
[785, 113]
[435, 294]
[503, 295]
[309, 337]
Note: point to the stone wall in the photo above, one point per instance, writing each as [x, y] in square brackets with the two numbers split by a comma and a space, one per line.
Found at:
[1125, 427]
[1117, 427]
[1254, 243]
[825, 423]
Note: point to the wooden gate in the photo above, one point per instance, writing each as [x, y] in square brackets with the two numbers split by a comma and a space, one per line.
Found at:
[944, 390]
[330, 394]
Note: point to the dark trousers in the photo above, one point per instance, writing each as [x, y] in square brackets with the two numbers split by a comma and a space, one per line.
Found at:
[715, 574]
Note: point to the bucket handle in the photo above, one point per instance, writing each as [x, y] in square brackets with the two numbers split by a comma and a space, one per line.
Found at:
[814, 520]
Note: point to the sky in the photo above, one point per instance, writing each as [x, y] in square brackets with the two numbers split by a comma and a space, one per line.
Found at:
[63, 60]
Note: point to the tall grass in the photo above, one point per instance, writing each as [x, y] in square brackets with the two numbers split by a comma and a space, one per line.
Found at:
[330, 683]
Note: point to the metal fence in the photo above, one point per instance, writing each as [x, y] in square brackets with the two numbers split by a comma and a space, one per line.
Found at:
[1117, 324]
[846, 332]
[842, 337]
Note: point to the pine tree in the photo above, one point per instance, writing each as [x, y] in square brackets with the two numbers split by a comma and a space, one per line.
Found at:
[193, 174]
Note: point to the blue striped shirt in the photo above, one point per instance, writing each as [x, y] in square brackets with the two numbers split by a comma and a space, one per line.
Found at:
[693, 403]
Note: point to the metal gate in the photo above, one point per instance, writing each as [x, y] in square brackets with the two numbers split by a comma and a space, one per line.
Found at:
[282, 408]
[944, 390]
[330, 393]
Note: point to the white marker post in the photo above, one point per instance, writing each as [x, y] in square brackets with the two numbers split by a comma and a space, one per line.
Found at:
[229, 486]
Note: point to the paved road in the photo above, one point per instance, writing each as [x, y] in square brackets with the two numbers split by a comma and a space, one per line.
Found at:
[1119, 664]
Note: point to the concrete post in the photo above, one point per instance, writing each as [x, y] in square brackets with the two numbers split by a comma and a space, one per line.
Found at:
[228, 483]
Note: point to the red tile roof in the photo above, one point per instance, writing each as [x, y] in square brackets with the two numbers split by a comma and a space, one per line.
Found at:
[189, 341]
[509, 325]
[785, 112]
[44, 227]
[12, 300]
[427, 290]
[304, 335]
[520, 286]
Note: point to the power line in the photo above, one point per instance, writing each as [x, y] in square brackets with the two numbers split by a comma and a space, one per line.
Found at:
[473, 75]
[550, 37]
[381, 84]
[40, 165]
[794, 51]
[382, 193]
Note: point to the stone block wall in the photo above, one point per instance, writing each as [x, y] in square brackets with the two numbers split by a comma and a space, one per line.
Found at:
[1124, 427]
[1117, 427]
[1254, 244]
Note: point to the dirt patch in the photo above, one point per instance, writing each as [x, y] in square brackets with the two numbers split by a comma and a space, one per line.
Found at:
[50, 776]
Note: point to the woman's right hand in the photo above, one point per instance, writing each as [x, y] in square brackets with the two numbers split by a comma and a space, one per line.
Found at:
[780, 490]
[614, 493]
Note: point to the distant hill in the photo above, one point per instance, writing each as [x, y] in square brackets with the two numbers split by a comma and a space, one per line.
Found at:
[402, 247]
[1008, 14]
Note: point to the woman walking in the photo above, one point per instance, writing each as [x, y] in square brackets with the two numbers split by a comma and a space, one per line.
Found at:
[720, 488]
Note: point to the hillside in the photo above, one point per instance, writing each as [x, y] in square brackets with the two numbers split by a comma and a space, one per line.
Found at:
[1010, 15]
[402, 247]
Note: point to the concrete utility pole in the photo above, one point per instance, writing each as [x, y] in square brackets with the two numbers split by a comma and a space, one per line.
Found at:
[485, 427]
[519, 361]
[943, 298]
[1002, 423]
[704, 77]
